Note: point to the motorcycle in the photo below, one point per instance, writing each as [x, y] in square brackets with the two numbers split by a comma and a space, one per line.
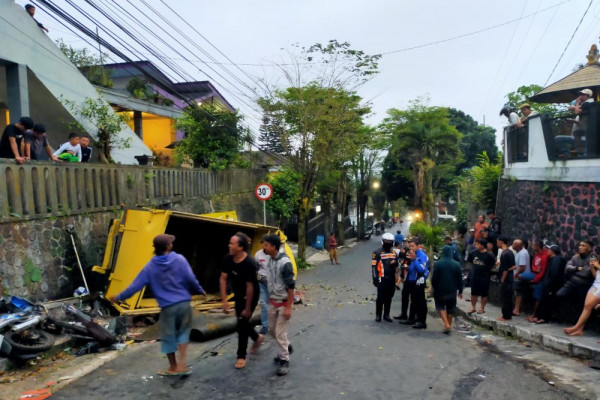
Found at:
[20, 328]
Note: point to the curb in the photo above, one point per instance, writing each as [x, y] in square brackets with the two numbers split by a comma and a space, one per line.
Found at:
[557, 344]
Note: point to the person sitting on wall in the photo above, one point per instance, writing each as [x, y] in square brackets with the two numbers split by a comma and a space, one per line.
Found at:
[70, 151]
[592, 300]
[86, 150]
[578, 275]
[12, 144]
[37, 146]
[527, 114]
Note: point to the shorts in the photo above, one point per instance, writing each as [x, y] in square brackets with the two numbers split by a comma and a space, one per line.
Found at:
[538, 291]
[448, 305]
[175, 326]
[333, 253]
[480, 284]
[595, 291]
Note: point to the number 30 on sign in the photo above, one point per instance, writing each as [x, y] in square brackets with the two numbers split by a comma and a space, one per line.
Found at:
[264, 191]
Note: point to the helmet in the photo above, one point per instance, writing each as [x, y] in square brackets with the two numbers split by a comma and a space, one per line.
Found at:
[387, 237]
[506, 110]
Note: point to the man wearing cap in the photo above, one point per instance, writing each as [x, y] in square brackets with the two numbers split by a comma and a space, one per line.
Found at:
[582, 109]
[172, 281]
[384, 268]
[527, 114]
[553, 281]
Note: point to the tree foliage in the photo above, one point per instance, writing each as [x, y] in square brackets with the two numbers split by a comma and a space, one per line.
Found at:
[424, 137]
[524, 93]
[213, 138]
[271, 133]
[89, 64]
[286, 193]
[486, 177]
[109, 124]
[476, 138]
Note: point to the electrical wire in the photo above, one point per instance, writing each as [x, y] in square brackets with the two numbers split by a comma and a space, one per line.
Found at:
[569, 42]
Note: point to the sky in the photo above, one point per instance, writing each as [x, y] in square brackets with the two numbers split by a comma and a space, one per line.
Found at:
[480, 55]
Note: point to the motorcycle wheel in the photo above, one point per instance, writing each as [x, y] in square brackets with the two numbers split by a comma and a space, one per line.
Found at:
[38, 342]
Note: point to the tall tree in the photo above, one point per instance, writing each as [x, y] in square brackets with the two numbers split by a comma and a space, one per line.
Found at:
[213, 138]
[476, 138]
[271, 132]
[321, 112]
[424, 136]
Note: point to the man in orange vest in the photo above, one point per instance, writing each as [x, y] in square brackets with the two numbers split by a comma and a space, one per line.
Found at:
[384, 267]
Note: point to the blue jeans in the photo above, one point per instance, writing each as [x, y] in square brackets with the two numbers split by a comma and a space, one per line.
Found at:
[263, 300]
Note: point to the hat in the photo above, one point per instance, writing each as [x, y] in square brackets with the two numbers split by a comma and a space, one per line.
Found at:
[163, 240]
[586, 91]
[554, 247]
[472, 230]
[387, 236]
[524, 105]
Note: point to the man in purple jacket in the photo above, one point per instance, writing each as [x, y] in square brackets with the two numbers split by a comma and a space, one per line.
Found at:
[172, 281]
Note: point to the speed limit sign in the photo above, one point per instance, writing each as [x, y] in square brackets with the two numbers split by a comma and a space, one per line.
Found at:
[264, 191]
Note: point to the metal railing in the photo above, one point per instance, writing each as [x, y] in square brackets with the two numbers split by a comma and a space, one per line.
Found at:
[573, 137]
[41, 190]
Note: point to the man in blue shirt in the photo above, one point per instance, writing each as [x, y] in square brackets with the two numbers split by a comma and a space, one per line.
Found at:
[418, 272]
[172, 281]
[398, 238]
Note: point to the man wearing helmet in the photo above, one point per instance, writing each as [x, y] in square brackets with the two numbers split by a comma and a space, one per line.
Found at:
[384, 267]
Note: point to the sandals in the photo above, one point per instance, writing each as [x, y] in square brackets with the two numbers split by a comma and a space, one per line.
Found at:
[541, 321]
[241, 363]
[481, 312]
[166, 372]
[471, 312]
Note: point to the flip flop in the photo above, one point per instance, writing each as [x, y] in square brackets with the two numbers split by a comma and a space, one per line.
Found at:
[471, 312]
[481, 312]
[165, 372]
[241, 363]
[541, 321]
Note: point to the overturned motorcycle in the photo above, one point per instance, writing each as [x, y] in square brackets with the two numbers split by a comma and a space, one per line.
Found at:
[21, 334]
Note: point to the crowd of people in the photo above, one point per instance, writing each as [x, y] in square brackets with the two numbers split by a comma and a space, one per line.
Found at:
[24, 140]
[539, 270]
[267, 279]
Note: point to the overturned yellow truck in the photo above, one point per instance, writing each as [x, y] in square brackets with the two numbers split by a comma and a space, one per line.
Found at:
[201, 239]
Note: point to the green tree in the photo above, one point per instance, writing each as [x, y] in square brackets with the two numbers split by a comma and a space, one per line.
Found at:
[286, 194]
[424, 136]
[475, 138]
[485, 178]
[524, 93]
[109, 124]
[271, 132]
[213, 138]
[89, 64]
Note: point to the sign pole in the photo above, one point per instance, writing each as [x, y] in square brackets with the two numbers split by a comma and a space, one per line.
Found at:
[263, 192]
[264, 212]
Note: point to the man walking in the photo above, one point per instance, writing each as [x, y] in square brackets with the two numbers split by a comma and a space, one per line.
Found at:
[446, 282]
[240, 269]
[172, 281]
[384, 268]
[505, 274]
[281, 298]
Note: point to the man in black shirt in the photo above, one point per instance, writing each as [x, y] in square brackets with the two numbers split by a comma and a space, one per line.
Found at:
[12, 138]
[483, 262]
[240, 269]
[495, 222]
[505, 275]
[553, 281]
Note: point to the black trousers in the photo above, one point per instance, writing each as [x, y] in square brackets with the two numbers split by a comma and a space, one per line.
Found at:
[407, 289]
[385, 292]
[548, 304]
[506, 296]
[244, 329]
[418, 299]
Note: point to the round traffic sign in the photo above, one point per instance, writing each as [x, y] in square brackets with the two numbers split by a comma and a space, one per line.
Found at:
[264, 191]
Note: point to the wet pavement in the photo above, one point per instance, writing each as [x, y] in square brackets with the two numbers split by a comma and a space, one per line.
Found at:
[339, 352]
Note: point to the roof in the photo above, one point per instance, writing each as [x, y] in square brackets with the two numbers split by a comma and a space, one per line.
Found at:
[565, 90]
[200, 90]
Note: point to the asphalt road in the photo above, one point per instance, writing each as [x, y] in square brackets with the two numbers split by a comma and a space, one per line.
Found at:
[340, 352]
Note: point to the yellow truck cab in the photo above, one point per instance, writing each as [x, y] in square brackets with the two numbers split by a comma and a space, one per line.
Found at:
[201, 239]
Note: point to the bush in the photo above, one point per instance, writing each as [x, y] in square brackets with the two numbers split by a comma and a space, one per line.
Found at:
[431, 236]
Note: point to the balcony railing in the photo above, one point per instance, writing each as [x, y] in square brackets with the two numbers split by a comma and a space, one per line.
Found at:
[40, 190]
[517, 143]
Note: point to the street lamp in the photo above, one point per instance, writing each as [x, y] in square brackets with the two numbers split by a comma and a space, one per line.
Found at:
[376, 185]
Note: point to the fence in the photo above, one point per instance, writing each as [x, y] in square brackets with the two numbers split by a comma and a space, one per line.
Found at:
[40, 190]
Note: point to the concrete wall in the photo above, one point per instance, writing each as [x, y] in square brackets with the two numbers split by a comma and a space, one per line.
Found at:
[562, 212]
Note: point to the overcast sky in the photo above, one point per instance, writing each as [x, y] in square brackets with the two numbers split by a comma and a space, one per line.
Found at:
[472, 73]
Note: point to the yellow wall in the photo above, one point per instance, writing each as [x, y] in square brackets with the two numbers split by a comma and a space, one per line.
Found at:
[157, 132]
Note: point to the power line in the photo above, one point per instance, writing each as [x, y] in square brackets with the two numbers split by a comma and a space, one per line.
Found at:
[474, 32]
[569, 42]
